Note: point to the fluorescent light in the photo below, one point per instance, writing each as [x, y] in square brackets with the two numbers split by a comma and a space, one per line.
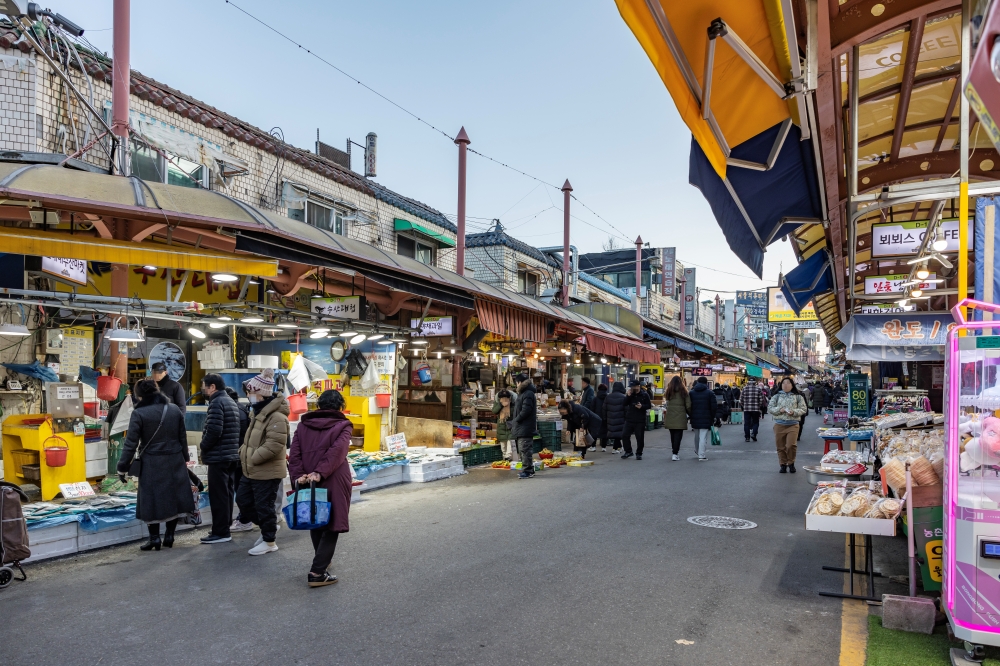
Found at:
[272, 330]
[225, 318]
[386, 342]
[251, 319]
[317, 334]
[348, 333]
[358, 339]
[286, 324]
[418, 342]
[254, 282]
[16, 330]
[196, 332]
[376, 336]
[224, 277]
[215, 324]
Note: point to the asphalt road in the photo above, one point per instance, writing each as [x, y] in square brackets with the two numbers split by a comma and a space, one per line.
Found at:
[575, 566]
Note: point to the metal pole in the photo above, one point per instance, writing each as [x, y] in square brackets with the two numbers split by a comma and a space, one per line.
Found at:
[566, 189]
[638, 275]
[716, 319]
[121, 79]
[963, 163]
[911, 548]
[463, 141]
[852, 168]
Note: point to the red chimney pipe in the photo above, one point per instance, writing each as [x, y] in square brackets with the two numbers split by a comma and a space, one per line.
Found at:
[463, 141]
[121, 73]
[566, 189]
[638, 275]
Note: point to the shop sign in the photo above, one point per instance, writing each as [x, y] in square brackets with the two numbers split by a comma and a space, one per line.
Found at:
[754, 303]
[891, 239]
[74, 270]
[669, 271]
[893, 284]
[690, 294]
[396, 443]
[433, 327]
[717, 367]
[339, 307]
[731, 368]
[701, 372]
[881, 308]
[689, 364]
[779, 310]
[857, 395]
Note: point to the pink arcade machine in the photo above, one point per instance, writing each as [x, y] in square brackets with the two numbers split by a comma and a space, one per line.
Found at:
[971, 558]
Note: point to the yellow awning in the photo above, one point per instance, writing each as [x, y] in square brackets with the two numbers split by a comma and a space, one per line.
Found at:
[743, 104]
[57, 244]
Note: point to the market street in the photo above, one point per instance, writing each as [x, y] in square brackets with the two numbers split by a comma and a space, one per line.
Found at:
[575, 566]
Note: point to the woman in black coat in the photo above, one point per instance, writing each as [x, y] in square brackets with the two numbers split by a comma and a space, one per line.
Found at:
[613, 415]
[156, 435]
[602, 435]
[578, 418]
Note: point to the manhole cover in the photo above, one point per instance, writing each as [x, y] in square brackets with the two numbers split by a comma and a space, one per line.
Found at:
[722, 522]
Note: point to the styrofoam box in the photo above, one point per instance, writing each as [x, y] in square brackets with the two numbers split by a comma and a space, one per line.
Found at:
[52, 541]
[383, 477]
[131, 531]
[53, 549]
[261, 361]
[851, 525]
[424, 477]
[96, 450]
[97, 468]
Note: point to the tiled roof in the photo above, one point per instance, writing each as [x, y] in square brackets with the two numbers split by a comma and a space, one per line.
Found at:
[494, 238]
[421, 210]
[99, 66]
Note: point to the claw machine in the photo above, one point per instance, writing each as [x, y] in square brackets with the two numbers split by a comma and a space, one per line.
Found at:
[971, 557]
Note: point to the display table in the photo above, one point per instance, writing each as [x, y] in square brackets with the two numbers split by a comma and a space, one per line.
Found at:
[25, 437]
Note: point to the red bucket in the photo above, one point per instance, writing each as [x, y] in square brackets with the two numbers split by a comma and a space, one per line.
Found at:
[108, 387]
[297, 404]
[55, 456]
[383, 400]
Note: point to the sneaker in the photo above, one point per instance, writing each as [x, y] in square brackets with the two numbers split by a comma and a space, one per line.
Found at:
[784, 468]
[700, 458]
[626, 455]
[638, 457]
[322, 579]
[593, 448]
[263, 548]
[213, 538]
[675, 457]
[237, 526]
[604, 449]
[747, 439]
[260, 539]
[791, 468]
[525, 475]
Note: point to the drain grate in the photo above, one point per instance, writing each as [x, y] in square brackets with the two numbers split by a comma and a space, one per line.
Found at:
[722, 522]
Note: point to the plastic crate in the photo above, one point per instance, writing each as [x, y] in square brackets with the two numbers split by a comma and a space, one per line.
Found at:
[481, 455]
[553, 445]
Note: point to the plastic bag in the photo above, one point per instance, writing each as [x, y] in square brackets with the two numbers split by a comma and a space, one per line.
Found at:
[371, 377]
[356, 363]
[298, 375]
[716, 437]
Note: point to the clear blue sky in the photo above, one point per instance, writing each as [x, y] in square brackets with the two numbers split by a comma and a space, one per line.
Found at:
[558, 89]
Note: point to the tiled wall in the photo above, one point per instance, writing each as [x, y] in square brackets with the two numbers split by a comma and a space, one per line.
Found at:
[39, 91]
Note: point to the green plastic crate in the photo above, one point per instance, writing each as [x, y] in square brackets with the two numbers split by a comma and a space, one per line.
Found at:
[481, 455]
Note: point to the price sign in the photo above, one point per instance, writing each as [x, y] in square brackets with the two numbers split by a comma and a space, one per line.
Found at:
[857, 399]
[396, 443]
[74, 490]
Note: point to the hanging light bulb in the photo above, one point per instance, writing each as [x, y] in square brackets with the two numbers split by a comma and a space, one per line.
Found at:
[196, 332]
[916, 293]
[415, 352]
[604, 360]
[922, 272]
[939, 244]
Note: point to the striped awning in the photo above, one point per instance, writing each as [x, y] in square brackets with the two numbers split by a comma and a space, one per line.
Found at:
[510, 322]
[612, 345]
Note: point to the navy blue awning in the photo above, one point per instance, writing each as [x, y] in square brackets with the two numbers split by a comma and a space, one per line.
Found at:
[813, 276]
[703, 350]
[685, 345]
[655, 335]
[756, 206]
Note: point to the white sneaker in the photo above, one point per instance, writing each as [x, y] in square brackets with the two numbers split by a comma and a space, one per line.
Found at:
[593, 448]
[260, 539]
[604, 449]
[237, 526]
[263, 548]
[702, 458]
[675, 457]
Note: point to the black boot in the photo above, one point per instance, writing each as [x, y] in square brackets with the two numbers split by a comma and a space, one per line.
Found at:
[168, 538]
[791, 467]
[154, 538]
[784, 468]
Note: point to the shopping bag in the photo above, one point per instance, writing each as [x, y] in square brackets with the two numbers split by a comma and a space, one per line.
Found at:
[306, 512]
[371, 378]
[716, 437]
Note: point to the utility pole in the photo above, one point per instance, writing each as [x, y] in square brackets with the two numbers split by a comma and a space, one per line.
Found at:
[566, 189]
[120, 89]
[638, 275]
[462, 141]
[717, 319]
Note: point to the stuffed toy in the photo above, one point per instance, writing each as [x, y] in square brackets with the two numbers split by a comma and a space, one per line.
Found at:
[985, 449]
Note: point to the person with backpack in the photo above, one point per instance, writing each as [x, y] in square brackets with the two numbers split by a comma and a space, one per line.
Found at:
[613, 415]
[220, 451]
[524, 423]
[704, 407]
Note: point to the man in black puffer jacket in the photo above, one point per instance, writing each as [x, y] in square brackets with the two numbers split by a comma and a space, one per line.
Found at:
[220, 450]
[637, 408]
[613, 414]
[704, 407]
[523, 424]
[172, 390]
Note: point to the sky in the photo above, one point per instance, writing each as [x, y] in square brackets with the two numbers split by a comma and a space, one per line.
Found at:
[559, 90]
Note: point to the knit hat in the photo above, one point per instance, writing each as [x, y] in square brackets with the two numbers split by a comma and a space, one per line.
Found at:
[262, 383]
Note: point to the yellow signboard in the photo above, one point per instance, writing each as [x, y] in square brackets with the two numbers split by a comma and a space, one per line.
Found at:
[151, 284]
[778, 309]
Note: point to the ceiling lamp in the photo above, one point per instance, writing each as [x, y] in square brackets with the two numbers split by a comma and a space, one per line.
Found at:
[251, 319]
[357, 339]
[15, 330]
[916, 293]
[320, 329]
[224, 277]
[939, 244]
[316, 335]
[126, 334]
[272, 330]
[396, 337]
[452, 346]
[349, 333]
[439, 349]
[285, 324]
[387, 341]
[418, 342]
[225, 318]
[196, 332]
[376, 336]
[216, 324]
[922, 272]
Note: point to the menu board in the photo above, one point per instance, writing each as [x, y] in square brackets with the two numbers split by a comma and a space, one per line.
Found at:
[77, 349]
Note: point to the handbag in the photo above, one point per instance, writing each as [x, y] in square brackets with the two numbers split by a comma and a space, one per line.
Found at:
[135, 469]
[716, 437]
[305, 512]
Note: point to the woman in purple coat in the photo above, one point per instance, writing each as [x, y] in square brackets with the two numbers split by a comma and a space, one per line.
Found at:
[319, 454]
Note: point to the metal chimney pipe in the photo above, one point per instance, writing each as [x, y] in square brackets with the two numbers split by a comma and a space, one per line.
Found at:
[566, 189]
[463, 141]
[638, 275]
[121, 78]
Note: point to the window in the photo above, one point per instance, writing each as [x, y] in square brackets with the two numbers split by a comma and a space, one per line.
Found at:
[319, 215]
[149, 165]
[414, 249]
[527, 283]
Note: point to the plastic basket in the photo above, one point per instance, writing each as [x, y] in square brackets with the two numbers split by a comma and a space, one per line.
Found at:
[107, 388]
[481, 455]
[297, 404]
[383, 400]
[24, 457]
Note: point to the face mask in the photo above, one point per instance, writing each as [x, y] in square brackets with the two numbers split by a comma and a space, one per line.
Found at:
[252, 398]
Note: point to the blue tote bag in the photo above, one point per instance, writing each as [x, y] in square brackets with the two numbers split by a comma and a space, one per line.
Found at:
[305, 511]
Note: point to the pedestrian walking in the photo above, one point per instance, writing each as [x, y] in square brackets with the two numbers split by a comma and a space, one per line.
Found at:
[819, 397]
[157, 441]
[676, 417]
[637, 408]
[502, 408]
[704, 407]
[579, 419]
[753, 402]
[240, 525]
[602, 435]
[524, 423]
[588, 396]
[262, 457]
[169, 389]
[787, 407]
[319, 455]
[220, 451]
[613, 415]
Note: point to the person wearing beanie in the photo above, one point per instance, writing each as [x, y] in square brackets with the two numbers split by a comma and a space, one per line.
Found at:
[637, 406]
[704, 407]
[262, 457]
[170, 389]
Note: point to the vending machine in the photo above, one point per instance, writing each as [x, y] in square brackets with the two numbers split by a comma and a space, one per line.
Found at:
[971, 558]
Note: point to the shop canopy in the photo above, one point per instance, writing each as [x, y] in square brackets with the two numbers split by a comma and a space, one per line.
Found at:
[738, 87]
[657, 336]
[907, 336]
[606, 344]
[510, 322]
[813, 276]
[754, 370]
[406, 225]
[685, 345]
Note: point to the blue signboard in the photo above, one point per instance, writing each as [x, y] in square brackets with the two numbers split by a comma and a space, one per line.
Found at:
[753, 302]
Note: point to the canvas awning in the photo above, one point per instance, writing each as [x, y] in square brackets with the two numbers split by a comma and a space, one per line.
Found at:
[606, 344]
[510, 322]
[406, 225]
[813, 276]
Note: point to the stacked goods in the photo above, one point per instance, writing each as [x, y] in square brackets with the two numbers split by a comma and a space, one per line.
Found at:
[852, 500]
[837, 457]
[885, 508]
